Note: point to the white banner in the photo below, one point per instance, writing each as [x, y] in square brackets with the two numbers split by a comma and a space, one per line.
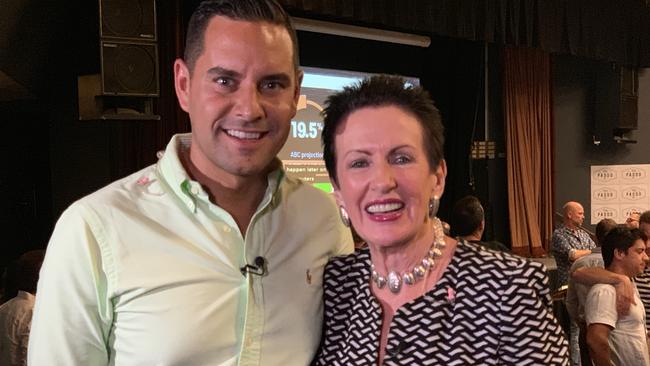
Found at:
[618, 190]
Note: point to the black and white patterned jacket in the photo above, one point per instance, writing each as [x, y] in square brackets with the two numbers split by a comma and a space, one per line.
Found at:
[488, 308]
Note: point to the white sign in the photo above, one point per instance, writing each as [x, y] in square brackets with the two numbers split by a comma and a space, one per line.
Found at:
[618, 190]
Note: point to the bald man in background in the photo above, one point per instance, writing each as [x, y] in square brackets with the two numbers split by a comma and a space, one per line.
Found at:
[570, 241]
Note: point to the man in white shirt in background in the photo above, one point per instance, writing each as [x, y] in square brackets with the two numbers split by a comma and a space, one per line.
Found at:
[576, 295]
[615, 339]
[16, 314]
[212, 256]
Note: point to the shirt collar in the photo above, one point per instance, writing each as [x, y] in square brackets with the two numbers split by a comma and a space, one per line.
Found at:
[188, 190]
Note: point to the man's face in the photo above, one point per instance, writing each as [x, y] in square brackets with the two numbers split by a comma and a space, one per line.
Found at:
[577, 215]
[240, 96]
[634, 260]
[645, 229]
[633, 221]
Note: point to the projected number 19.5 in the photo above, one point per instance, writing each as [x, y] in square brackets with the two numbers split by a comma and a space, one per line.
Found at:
[305, 130]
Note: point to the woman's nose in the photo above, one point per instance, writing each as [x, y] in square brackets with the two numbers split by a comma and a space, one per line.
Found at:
[382, 178]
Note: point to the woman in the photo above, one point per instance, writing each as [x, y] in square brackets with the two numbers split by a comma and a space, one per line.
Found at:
[415, 296]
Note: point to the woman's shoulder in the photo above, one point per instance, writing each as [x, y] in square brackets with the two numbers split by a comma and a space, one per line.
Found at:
[475, 254]
[343, 268]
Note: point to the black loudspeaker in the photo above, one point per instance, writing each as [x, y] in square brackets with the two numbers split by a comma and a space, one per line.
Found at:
[615, 102]
[129, 68]
[129, 53]
[128, 19]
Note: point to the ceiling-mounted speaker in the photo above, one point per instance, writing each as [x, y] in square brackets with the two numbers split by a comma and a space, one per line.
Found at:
[129, 68]
[128, 19]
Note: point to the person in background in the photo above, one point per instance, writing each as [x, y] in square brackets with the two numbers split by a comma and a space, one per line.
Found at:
[212, 256]
[618, 339]
[468, 223]
[632, 221]
[16, 314]
[570, 241]
[9, 290]
[576, 295]
[414, 296]
[642, 281]
[625, 288]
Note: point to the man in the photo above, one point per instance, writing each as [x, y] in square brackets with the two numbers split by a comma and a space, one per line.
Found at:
[576, 295]
[616, 339]
[468, 222]
[213, 256]
[625, 289]
[16, 314]
[632, 221]
[570, 241]
[643, 280]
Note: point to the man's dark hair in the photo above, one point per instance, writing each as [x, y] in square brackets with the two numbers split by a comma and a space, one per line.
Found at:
[620, 238]
[466, 216]
[645, 217]
[602, 228]
[382, 91]
[246, 10]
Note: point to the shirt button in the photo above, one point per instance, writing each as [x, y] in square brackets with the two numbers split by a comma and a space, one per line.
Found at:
[194, 190]
[226, 228]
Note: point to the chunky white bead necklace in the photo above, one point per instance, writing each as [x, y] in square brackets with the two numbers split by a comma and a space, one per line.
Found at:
[394, 280]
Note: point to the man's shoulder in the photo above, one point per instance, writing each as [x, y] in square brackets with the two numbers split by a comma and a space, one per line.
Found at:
[602, 289]
[143, 181]
[561, 232]
[297, 192]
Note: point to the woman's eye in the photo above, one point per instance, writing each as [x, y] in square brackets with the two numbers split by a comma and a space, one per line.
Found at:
[402, 159]
[358, 164]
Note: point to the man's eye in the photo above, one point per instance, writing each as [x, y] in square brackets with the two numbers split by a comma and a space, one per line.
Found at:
[223, 81]
[272, 85]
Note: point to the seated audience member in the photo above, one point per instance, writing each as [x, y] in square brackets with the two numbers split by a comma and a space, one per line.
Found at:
[577, 293]
[415, 296]
[615, 339]
[16, 314]
[468, 222]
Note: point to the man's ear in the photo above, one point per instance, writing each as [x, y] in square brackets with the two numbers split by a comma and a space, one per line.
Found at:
[182, 84]
[619, 254]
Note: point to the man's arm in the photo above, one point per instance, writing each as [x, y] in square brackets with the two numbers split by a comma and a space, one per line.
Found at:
[597, 339]
[624, 287]
[72, 314]
[578, 253]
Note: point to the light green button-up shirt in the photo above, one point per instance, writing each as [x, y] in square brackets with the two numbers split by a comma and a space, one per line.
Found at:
[146, 271]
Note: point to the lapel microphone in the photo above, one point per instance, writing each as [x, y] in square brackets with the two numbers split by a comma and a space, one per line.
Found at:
[258, 269]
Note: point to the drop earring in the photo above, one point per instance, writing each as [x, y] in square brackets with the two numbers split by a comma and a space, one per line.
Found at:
[345, 218]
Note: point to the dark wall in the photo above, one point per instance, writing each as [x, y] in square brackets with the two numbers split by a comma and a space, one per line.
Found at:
[574, 88]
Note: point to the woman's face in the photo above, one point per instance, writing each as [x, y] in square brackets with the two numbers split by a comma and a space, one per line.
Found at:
[384, 178]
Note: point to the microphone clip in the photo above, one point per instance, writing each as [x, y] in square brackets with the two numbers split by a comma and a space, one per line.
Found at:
[258, 269]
